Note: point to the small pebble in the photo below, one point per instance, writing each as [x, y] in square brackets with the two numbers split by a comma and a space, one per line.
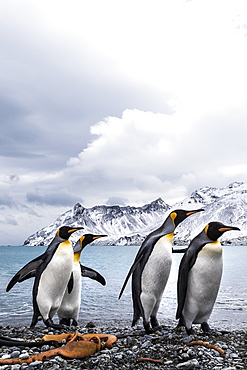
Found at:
[35, 363]
[191, 364]
[15, 367]
[5, 356]
[233, 355]
[24, 356]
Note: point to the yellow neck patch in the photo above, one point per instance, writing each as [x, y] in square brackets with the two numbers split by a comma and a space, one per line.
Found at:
[216, 242]
[170, 236]
[77, 256]
[66, 243]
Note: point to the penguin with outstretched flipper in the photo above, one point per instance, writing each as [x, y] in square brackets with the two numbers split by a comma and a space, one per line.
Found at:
[52, 271]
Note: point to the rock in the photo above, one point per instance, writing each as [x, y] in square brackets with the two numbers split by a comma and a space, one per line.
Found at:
[15, 367]
[191, 364]
[24, 355]
[15, 354]
[35, 363]
[6, 356]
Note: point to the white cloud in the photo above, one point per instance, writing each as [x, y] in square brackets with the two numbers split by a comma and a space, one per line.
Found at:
[130, 144]
[154, 155]
[162, 86]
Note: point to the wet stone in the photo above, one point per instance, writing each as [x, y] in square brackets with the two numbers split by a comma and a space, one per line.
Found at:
[24, 355]
[191, 364]
[15, 367]
[5, 356]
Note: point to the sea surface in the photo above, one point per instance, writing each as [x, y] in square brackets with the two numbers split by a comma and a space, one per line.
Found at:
[101, 305]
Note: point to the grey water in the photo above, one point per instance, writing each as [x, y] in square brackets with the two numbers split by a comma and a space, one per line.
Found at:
[101, 305]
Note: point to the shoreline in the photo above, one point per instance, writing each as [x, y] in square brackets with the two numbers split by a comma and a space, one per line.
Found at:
[168, 345]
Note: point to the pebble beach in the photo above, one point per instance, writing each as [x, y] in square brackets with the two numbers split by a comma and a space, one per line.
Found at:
[134, 349]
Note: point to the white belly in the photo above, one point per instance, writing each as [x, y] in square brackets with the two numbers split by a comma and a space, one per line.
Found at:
[70, 305]
[157, 269]
[54, 280]
[203, 284]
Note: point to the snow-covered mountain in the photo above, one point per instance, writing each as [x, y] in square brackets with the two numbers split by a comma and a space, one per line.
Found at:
[122, 225]
[130, 225]
[227, 205]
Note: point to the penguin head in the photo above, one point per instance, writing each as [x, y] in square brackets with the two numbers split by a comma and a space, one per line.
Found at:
[215, 229]
[85, 240]
[179, 215]
[64, 232]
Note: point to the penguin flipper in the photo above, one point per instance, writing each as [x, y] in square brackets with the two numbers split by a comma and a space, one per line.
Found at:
[71, 283]
[136, 292]
[92, 274]
[141, 257]
[131, 270]
[187, 262]
[181, 250]
[26, 272]
[182, 284]
[27, 276]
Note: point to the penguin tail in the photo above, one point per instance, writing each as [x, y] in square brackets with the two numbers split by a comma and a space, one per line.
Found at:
[33, 323]
[35, 319]
[180, 322]
[134, 321]
[178, 315]
[136, 317]
[179, 312]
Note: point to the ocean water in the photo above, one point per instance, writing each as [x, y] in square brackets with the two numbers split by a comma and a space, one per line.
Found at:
[101, 305]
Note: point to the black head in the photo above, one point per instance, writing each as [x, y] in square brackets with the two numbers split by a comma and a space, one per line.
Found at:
[215, 229]
[65, 231]
[85, 240]
[179, 215]
[89, 238]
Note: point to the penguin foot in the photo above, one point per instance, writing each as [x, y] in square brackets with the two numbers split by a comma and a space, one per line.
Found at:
[189, 331]
[156, 328]
[65, 322]
[74, 322]
[154, 322]
[205, 327]
[147, 328]
[51, 324]
[180, 325]
[150, 330]
[68, 322]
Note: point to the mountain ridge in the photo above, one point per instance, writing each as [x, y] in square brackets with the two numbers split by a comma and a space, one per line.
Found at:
[129, 225]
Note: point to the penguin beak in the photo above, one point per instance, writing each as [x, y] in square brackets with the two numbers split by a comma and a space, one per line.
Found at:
[75, 229]
[195, 211]
[99, 236]
[228, 228]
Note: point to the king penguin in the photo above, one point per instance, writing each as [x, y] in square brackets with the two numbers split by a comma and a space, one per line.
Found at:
[52, 271]
[70, 306]
[151, 269]
[199, 277]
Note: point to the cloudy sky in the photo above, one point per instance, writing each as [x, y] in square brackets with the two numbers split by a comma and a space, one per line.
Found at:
[117, 102]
